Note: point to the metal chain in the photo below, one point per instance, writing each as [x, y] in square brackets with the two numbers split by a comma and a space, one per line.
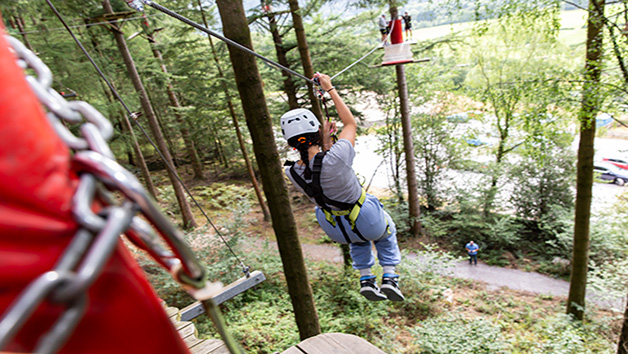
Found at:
[84, 259]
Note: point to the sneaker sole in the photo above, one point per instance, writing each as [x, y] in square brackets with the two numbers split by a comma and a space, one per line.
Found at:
[372, 294]
[392, 294]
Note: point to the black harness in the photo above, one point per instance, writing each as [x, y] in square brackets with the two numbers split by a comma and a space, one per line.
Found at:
[314, 190]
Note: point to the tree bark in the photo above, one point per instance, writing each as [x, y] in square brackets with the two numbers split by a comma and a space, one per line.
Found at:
[235, 27]
[413, 187]
[584, 184]
[408, 143]
[139, 156]
[236, 125]
[197, 165]
[622, 346]
[304, 53]
[186, 211]
[163, 127]
[288, 85]
[19, 21]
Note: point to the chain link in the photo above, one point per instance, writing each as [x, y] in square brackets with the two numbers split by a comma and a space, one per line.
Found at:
[83, 260]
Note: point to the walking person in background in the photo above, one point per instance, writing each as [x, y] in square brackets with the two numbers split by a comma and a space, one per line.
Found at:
[407, 20]
[472, 251]
[383, 27]
[344, 210]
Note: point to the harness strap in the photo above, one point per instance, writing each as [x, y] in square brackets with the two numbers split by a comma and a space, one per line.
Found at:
[355, 229]
[342, 229]
[314, 190]
[351, 214]
[316, 180]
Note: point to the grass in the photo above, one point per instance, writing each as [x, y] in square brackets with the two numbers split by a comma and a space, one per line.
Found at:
[572, 32]
[518, 322]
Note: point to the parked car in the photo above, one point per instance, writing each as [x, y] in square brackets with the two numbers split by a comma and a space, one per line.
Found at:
[476, 142]
[608, 172]
[621, 163]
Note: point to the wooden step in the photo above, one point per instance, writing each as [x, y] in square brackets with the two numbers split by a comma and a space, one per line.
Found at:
[336, 343]
[189, 334]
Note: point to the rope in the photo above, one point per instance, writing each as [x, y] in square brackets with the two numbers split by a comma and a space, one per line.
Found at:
[367, 54]
[245, 269]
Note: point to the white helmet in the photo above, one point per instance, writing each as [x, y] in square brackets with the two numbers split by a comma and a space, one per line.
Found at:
[298, 122]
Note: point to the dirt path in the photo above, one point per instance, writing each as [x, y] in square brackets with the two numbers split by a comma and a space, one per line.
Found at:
[493, 277]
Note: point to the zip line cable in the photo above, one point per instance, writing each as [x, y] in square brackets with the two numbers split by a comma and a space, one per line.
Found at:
[239, 46]
[245, 269]
[367, 54]
[224, 39]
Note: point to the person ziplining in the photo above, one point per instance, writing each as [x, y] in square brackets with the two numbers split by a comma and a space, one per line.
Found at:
[360, 232]
[344, 210]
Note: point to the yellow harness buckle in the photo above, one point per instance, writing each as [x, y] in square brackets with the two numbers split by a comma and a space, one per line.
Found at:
[352, 214]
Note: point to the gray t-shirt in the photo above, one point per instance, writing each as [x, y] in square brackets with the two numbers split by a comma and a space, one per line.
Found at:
[338, 180]
[383, 23]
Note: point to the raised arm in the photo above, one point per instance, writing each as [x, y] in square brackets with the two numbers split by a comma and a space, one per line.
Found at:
[350, 127]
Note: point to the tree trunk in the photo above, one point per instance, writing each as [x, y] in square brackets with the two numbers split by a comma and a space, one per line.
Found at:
[163, 127]
[140, 161]
[150, 187]
[19, 21]
[186, 212]
[258, 119]
[304, 53]
[236, 125]
[588, 111]
[622, 346]
[408, 144]
[197, 165]
[491, 193]
[218, 146]
[413, 188]
[346, 257]
[288, 85]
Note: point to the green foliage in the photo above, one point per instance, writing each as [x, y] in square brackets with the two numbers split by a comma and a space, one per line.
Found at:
[211, 250]
[609, 251]
[499, 233]
[544, 176]
[222, 195]
[560, 334]
[435, 149]
[454, 334]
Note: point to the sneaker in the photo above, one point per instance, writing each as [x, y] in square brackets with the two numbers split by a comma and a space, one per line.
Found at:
[390, 287]
[369, 289]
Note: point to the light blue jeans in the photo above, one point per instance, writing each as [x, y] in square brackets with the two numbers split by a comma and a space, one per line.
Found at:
[371, 223]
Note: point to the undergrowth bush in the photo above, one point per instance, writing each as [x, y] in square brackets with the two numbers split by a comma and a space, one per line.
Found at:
[222, 195]
[560, 334]
[210, 249]
[262, 319]
[454, 334]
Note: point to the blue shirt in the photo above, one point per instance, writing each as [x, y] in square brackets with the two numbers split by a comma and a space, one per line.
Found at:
[472, 248]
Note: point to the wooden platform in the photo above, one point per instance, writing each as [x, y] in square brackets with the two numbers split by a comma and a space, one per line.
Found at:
[326, 343]
[188, 333]
[334, 343]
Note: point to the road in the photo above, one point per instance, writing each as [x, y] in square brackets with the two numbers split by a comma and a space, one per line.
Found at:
[493, 277]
